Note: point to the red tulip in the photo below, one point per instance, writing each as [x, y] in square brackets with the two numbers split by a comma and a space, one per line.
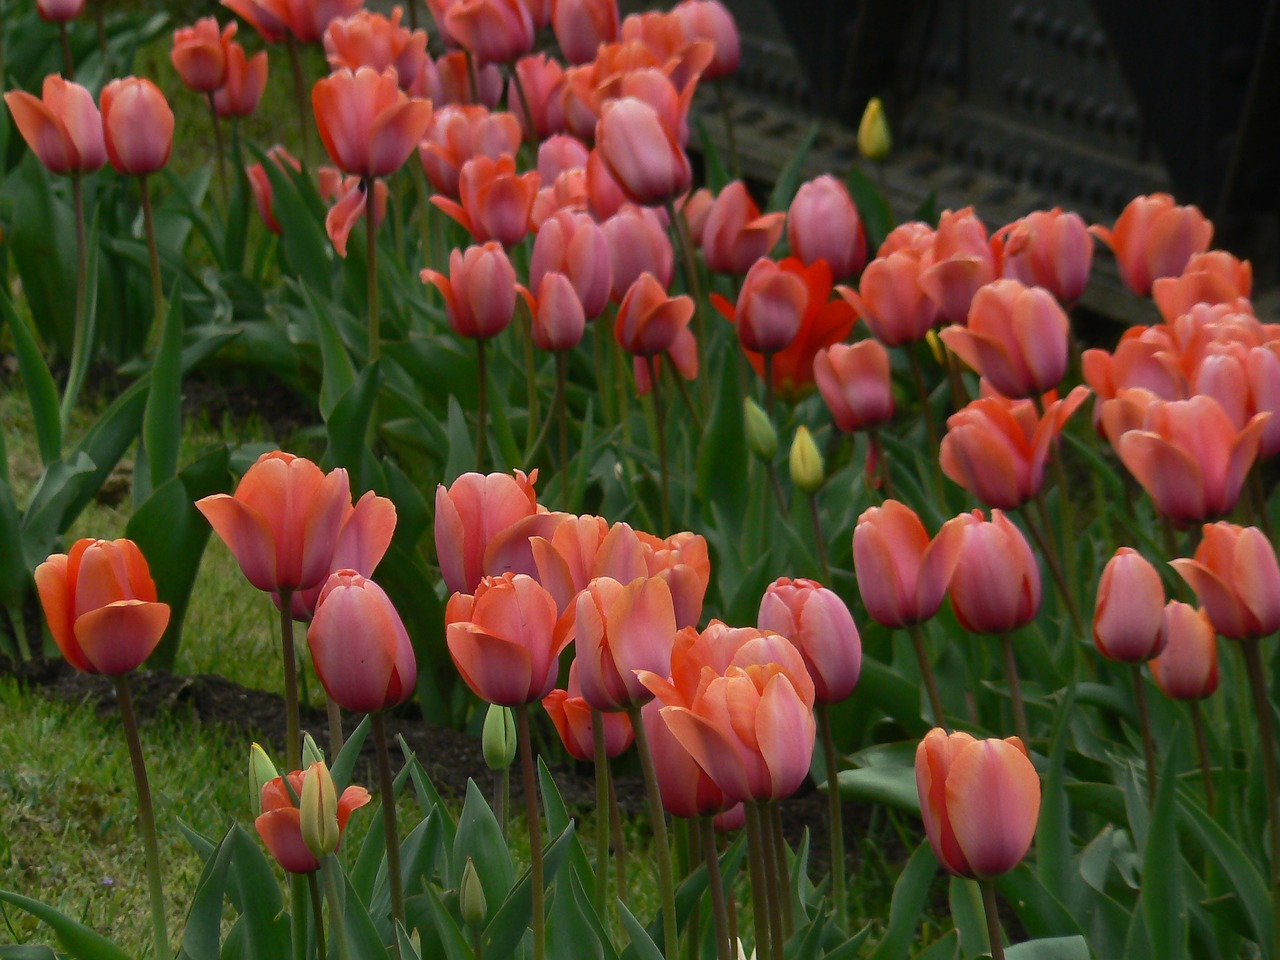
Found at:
[282, 522]
[648, 320]
[280, 823]
[1128, 619]
[903, 576]
[504, 640]
[1236, 577]
[496, 202]
[641, 152]
[472, 516]
[620, 630]
[817, 621]
[367, 124]
[890, 301]
[855, 384]
[996, 585]
[582, 25]
[246, 79]
[736, 235]
[493, 31]
[823, 223]
[137, 126]
[62, 127]
[979, 799]
[1153, 238]
[1187, 668]
[1050, 249]
[199, 54]
[100, 603]
[571, 715]
[479, 292]
[368, 39]
[961, 261]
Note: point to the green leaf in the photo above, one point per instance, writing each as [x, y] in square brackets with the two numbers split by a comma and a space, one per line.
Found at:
[873, 208]
[348, 425]
[338, 373]
[722, 450]
[80, 363]
[362, 932]
[202, 933]
[345, 762]
[480, 838]
[27, 952]
[642, 946]
[1041, 913]
[1053, 832]
[1050, 948]
[948, 948]
[238, 220]
[507, 927]
[41, 392]
[784, 188]
[78, 940]
[893, 786]
[58, 487]
[1239, 871]
[255, 891]
[910, 894]
[462, 451]
[717, 178]
[893, 693]
[446, 928]
[967, 913]
[1163, 906]
[307, 253]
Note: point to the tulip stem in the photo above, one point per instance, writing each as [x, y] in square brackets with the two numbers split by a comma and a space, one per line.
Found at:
[562, 415]
[1202, 749]
[292, 741]
[1256, 672]
[662, 846]
[528, 128]
[930, 425]
[535, 832]
[774, 816]
[157, 285]
[768, 383]
[835, 816]
[694, 287]
[80, 333]
[602, 820]
[298, 916]
[300, 95]
[386, 786]
[926, 674]
[1041, 535]
[1015, 690]
[819, 540]
[337, 923]
[222, 156]
[993, 919]
[619, 843]
[766, 946]
[1144, 724]
[482, 405]
[778, 493]
[68, 60]
[146, 816]
[317, 912]
[473, 78]
[660, 422]
[715, 884]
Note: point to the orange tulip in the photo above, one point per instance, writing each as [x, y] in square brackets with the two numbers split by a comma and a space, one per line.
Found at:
[979, 799]
[1050, 249]
[770, 308]
[100, 603]
[1237, 578]
[1187, 668]
[685, 788]
[582, 549]
[1212, 277]
[351, 196]
[496, 202]
[996, 585]
[648, 320]
[681, 560]
[63, 126]
[479, 292]
[472, 517]
[618, 631]
[817, 621]
[246, 79]
[280, 823]
[736, 235]
[199, 54]
[541, 77]
[571, 715]
[558, 320]
[368, 126]
[283, 521]
[504, 641]
[137, 126]
[362, 542]
[1153, 238]
[1129, 617]
[903, 576]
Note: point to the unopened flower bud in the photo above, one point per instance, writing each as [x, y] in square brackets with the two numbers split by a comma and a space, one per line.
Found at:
[499, 738]
[937, 346]
[874, 141]
[807, 471]
[762, 438]
[319, 811]
[471, 900]
[310, 752]
[261, 772]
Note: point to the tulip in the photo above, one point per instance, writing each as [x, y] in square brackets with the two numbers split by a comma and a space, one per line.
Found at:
[137, 126]
[536, 82]
[362, 542]
[855, 385]
[996, 585]
[1190, 458]
[558, 320]
[683, 562]
[874, 141]
[656, 87]
[59, 11]
[582, 549]
[246, 79]
[352, 204]
[571, 715]
[450, 82]
[1187, 667]
[648, 320]
[1050, 249]
[1213, 277]
[582, 25]
[997, 448]
[903, 576]
[560, 152]
[280, 823]
[504, 641]
[618, 631]
[961, 261]
[817, 621]
[1154, 238]
[318, 810]
[458, 133]
[823, 223]
[479, 292]
[574, 245]
[641, 152]
[771, 305]
[496, 202]
[367, 124]
[471, 517]
[492, 31]
[1128, 620]
[735, 234]
[762, 436]
[498, 740]
[890, 301]
[100, 603]
[266, 16]
[683, 785]
[62, 127]
[260, 184]
[367, 39]
[1235, 575]
[199, 54]
[711, 20]
[638, 243]
[979, 799]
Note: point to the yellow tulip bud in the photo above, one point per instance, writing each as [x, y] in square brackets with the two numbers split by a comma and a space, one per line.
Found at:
[874, 141]
[807, 471]
[318, 810]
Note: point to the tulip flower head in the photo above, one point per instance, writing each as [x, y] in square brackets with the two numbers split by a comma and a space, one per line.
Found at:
[63, 126]
[979, 799]
[59, 11]
[710, 20]
[903, 576]
[280, 825]
[574, 245]
[855, 384]
[823, 224]
[368, 39]
[620, 630]
[479, 292]
[137, 126]
[200, 52]
[735, 234]
[100, 604]
[817, 621]
[996, 585]
[571, 715]
[874, 140]
[1129, 617]
[649, 320]
[366, 122]
[641, 152]
[1187, 667]
[492, 31]
[960, 262]
[246, 79]
[582, 25]
[1154, 237]
[890, 301]
[1050, 249]
[1236, 576]
[496, 202]
[559, 320]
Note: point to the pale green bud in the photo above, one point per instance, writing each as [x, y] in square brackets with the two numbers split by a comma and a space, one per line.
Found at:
[762, 438]
[471, 900]
[807, 471]
[310, 752]
[318, 808]
[499, 739]
[261, 772]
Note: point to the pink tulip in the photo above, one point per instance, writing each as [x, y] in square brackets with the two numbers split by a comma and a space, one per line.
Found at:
[638, 243]
[137, 126]
[62, 127]
[685, 788]
[367, 124]
[59, 11]
[260, 184]
[574, 245]
[961, 261]
[1154, 238]
[199, 54]
[368, 39]
[620, 630]
[855, 384]
[571, 715]
[493, 31]
[711, 20]
[1209, 278]
[823, 223]
[817, 621]
[996, 585]
[1187, 668]
[649, 320]
[560, 152]
[459, 133]
[246, 79]
[449, 82]
[1236, 577]
[558, 318]
[541, 79]
[641, 152]
[1050, 249]
[771, 307]
[363, 540]
[479, 292]
[736, 235]
[268, 17]
[582, 25]
[471, 517]
[683, 562]
[1128, 619]
[496, 202]
[890, 301]
[903, 576]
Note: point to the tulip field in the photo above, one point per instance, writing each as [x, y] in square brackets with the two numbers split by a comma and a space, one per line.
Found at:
[611, 458]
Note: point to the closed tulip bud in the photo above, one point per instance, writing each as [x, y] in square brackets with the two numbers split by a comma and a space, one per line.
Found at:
[889, 299]
[642, 153]
[199, 54]
[823, 223]
[499, 737]
[638, 243]
[855, 385]
[311, 752]
[137, 125]
[1187, 668]
[479, 292]
[318, 806]
[261, 772]
[558, 318]
[581, 26]
[1153, 238]
[712, 21]
[492, 31]
[762, 436]
[246, 79]
[996, 585]
[471, 902]
[1128, 620]
[817, 621]
[618, 631]
[59, 11]
[807, 470]
[874, 141]
[1050, 249]
[1237, 578]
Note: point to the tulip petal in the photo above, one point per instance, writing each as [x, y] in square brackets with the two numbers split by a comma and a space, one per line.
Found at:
[247, 535]
[993, 801]
[117, 638]
[497, 670]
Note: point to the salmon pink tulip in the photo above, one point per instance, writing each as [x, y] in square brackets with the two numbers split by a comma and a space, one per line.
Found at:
[479, 292]
[280, 823]
[560, 152]
[62, 127]
[199, 54]
[558, 319]
[1128, 619]
[890, 301]
[571, 715]
[1187, 668]
[855, 384]
[711, 20]
[683, 562]
[283, 521]
[582, 549]
[617, 631]
[471, 517]
[574, 245]
[368, 39]
[268, 17]
[823, 223]
[363, 540]
[449, 82]
[504, 641]
[1153, 238]
[980, 801]
[246, 79]
[458, 133]
[638, 243]
[100, 604]
[359, 646]
[351, 194]
[540, 81]
[366, 122]
[582, 25]
[736, 235]
[641, 152]
[903, 576]
[492, 31]
[817, 621]
[496, 201]
[684, 786]
[1049, 249]
[648, 320]
[770, 307]
[137, 126]
[260, 184]
[996, 585]
[961, 261]
[1213, 277]
[1235, 575]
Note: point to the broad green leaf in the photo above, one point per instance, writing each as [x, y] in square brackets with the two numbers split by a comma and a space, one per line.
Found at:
[894, 786]
[480, 838]
[348, 425]
[642, 945]
[967, 913]
[445, 927]
[41, 392]
[345, 762]
[722, 451]
[77, 939]
[202, 933]
[27, 952]
[506, 929]
[1053, 831]
[306, 251]
[1238, 870]
[362, 932]
[255, 891]
[1051, 948]
[784, 188]
[1040, 912]
[338, 372]
[462, 451]
[873, 208]
[1163, 904]
[948, 948]
[910, 894]
[58, 487]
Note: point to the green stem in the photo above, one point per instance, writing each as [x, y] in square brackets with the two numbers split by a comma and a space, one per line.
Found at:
[1144, 724]
[1256, 672]
[562, 416]
[726, 114]
[835, 816]
[926, 673]
[756, 854]
[602, 820]
[662, 846]
[619, 844]
[819, 540]
[482, 388]
[694, 286]
[371, 268]
[335, 726]
[660, 421]
[80, 333]
[337, 923]
[300, 96]
[157, 285]
[387, 788]
[773, 816]
[530, 134]
[222, 155]
[473, 78]
[68, 61]
[1202, 750]
[146, 817]
[1041, 536]
[768, 383]
[715, 884]
[313, 886]
[1015, 690]
[779, 495]
[293, 741]
[298, 897]
[930, 424]
[993, 919]
[535, 833]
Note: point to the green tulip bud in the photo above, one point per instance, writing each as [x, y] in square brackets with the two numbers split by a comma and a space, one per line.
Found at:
[762, 438]
[807, 471]
[874, 141]
[319, 811]
[499, 739]
[471, 896]
[261, 772]
[310, 752]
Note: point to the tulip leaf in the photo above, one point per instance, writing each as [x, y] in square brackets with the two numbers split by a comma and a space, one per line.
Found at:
[27, 952]
[570, 936]
[15, 574]
[788, 182]
[78, 940]
[948, 948]
[37, 231]
[199, 843]
[202, 933]
[558, 818]
[237, 219]
[910, 894]
[480, 838]
[722, 450]
[873, 206]
[411, 588]
[462, 452]
[1050, 948]
[584, 459]
[642, 946]
[893, 786]
[1039, 911]
[362, 932]
[88, 347]
[1163, 903]
[263, 930]
[306, 252]
[445, 928]
[965, 899]
[59, 485]
[345, 762]
[506, 929]
[348, 424]
[1053, 831]
[717, 178]
[41, 392]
